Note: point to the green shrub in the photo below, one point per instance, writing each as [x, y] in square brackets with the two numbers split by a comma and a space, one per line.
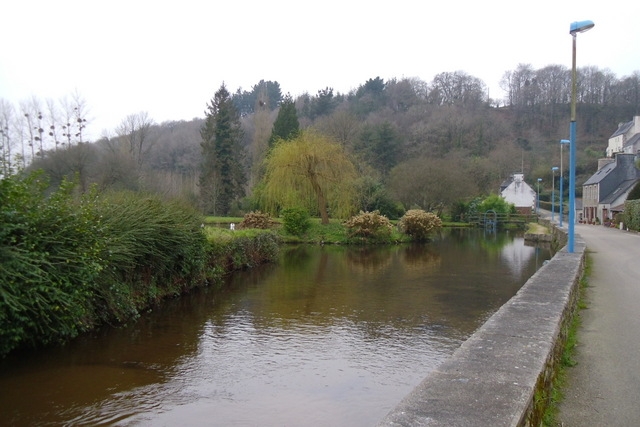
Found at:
[496, 203]
[296, 221]
[154, 248]
[418, 224]
[634, 194]
[631, 215]
[51, 251]
[370, 225]
[373, 196]
[69, 262]
[242, 250]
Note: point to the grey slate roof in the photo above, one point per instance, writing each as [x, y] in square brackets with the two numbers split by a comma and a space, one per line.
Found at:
[635, 139]
[624, 187]
[600, 174]
[623, 128]
[613, 175]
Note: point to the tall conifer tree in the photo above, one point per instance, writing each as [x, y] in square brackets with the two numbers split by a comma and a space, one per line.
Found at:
[286, 125]
[222, 177]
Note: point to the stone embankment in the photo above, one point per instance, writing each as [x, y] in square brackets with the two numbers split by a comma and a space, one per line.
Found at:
[502, 375]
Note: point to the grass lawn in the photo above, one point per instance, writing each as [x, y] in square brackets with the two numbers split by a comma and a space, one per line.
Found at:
[219, 220]
[535, 228]
[217, 228]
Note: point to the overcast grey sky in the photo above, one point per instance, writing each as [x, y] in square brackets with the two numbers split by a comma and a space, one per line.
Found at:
[169, 57]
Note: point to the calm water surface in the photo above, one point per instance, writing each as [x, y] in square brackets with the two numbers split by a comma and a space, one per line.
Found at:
[329, 336]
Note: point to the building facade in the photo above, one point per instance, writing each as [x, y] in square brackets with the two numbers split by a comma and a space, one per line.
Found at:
[608, 188]
[626, 139]
[518, 192]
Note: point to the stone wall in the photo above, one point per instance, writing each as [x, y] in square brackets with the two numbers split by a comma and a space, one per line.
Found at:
[502, 375]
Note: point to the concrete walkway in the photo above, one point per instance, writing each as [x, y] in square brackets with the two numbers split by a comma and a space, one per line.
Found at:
[604, 388]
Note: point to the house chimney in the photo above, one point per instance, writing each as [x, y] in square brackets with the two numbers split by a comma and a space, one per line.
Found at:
[604, 162]
[626, 159]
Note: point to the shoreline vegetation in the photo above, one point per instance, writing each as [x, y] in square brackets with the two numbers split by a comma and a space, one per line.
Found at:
[74, 262]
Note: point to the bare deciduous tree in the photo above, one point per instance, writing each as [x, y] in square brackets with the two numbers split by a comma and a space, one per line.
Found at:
[341, 125]
[134, 132]
[52, 122]
[6, 136]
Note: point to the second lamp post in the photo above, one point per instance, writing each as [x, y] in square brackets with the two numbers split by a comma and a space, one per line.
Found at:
[562, 142]
[553, 191]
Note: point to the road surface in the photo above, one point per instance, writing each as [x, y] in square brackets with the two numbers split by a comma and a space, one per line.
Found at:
[603, 389]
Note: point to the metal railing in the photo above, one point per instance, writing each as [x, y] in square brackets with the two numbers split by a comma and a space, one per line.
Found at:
[493, 219]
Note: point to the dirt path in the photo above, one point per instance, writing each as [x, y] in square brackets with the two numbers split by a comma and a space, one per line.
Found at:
[604, 388]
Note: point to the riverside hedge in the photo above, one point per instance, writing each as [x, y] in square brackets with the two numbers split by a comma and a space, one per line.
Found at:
[71, 262]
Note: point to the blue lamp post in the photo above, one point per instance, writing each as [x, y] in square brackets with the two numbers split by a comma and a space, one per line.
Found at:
[538, 197]
[574, 29]
[562, 142]
[553, 191]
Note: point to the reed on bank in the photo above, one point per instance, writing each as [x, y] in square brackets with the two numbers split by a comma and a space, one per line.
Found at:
[72, 262]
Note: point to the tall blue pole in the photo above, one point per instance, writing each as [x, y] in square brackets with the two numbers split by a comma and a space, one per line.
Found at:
[561, 199]
[562, 142]
[538, 198]
[574, 29]
[572, 173]
[553, 192]
[572, 152]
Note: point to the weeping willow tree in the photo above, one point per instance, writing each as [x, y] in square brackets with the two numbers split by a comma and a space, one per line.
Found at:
[313, 172]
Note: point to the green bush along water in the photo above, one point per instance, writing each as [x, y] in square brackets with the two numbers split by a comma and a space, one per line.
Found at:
[70, 263]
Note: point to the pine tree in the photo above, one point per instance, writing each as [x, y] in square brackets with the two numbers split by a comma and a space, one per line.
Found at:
[222, 178]
[286, 125]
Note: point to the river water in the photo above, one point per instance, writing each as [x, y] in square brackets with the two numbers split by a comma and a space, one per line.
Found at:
[331, 335]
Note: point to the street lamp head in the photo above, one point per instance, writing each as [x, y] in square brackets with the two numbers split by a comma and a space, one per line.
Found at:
[565, 141]
[539, 179]
[580, 27]
[555, 168]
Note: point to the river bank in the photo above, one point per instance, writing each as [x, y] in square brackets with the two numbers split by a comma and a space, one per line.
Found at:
[71, 263]
[76, 263]
[331, 334]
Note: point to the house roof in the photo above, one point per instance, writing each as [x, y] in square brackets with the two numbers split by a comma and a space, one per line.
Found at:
[622, 129]
[623, 188]
[633, 140]
[506, 183]
[614, 180]
[519, 193]
[600, 174]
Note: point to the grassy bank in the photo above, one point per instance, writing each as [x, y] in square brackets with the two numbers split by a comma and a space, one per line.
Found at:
[535, 228]
[73, 262]
[336, 233]
[333, 233]
[568, 353]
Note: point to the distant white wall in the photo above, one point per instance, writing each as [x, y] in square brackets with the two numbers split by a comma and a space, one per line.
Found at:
[519, 193]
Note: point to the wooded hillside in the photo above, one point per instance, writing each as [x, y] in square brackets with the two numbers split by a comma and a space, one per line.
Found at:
[413, 143]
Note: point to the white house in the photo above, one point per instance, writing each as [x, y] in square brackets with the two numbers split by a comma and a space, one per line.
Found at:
[626, 139]
[518, 192]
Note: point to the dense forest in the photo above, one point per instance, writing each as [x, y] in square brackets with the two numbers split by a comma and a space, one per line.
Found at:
[412, 144]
